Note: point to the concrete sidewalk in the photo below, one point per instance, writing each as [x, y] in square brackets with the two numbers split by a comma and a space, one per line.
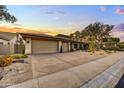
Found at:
[104, 72]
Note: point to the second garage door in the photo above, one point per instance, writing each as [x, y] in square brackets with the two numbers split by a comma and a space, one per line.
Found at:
[43, 46]
[65, 47]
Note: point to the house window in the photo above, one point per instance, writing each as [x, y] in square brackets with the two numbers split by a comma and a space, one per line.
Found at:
[75, 45]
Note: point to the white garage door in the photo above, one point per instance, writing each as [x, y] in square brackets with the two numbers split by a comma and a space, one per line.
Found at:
[41, 46]
[65, 47]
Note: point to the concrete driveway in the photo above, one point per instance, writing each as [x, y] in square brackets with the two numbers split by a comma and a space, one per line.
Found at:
[51, 63]
[103, 72]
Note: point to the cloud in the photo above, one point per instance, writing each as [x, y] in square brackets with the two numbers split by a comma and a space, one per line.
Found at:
[74, 26]
[49, 31]
[57, 18]
[119, 34]
[60, 12]
[103, 9]
[51, 12]
[56, 14]
[44, 7]
[69, 23]
[17, 24]
[119, 11]
[23, 30]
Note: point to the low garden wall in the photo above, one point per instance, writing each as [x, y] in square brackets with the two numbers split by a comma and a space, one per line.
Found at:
[4, 49]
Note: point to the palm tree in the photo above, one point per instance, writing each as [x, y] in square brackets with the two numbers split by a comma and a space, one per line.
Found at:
[5, 16]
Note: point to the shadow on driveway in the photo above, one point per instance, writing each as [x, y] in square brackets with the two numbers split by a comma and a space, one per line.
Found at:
[120, 83]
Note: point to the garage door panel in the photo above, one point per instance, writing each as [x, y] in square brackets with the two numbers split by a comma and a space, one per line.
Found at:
[65, 47]
[40, 46]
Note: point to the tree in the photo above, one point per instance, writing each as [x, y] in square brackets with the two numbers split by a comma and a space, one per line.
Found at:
[5, 16]
[96, 32]
[75, 36]
[92, 43]
[72, 36]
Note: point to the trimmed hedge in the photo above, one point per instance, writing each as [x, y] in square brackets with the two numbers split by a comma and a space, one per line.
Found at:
[109, 43]
[18, 56]
[111, 48]
[115, 48]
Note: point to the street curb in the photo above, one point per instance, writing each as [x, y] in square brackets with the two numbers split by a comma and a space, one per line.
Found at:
[109, 78]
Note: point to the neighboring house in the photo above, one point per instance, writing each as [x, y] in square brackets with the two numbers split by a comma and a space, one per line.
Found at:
[4, 48]
[9, 42]
[30, 43]
[3, 40]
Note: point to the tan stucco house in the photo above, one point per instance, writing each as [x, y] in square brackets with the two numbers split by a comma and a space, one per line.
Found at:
[40, 43]
[30, 43]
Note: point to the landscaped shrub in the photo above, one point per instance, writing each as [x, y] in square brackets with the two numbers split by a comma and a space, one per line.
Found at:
[18, 56]
[121, 46]
[6, 60]
[111, 48]
[111, 39]
[108, 43]
[81, 48]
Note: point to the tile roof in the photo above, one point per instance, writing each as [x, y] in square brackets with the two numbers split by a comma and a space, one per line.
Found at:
[7, 35]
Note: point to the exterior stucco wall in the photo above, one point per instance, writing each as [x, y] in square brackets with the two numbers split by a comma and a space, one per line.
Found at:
[65, 47]
[59, 46]
[13, 41]
[78, 45]
[28, 46]
[69, 46]
[4, 42]
[4, 49]
[11, 48]
[7, 47]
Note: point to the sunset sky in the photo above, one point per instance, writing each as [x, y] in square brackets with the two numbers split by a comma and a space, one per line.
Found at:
[62, 19]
